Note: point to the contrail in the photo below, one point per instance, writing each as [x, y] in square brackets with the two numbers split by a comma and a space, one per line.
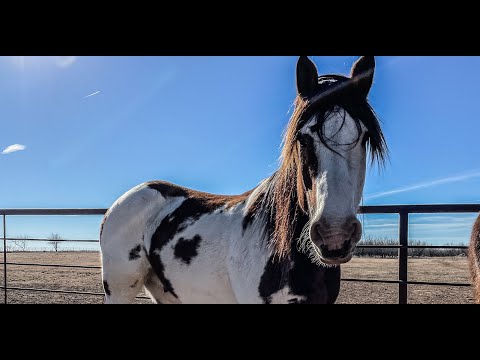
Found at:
[93, 94]
[428, 184]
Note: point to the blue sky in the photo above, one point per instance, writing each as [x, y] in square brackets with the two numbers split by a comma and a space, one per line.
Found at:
[80, 131]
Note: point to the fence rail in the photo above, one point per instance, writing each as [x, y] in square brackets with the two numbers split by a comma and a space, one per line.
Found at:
[403, 246]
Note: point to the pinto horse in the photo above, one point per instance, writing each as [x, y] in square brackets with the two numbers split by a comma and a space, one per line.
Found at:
[474, 259]
[281, 242]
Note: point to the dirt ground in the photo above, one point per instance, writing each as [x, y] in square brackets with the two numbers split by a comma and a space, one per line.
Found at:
[452, 269]
[447, 270]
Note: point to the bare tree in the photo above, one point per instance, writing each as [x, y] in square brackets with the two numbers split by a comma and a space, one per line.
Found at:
[21, 242]
[55, 240]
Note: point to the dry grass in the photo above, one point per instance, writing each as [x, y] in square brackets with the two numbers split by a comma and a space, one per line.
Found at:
[443, 269]
[71, 279]
[450, 269]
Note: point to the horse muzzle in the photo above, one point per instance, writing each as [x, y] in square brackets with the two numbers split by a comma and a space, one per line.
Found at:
[334, 242]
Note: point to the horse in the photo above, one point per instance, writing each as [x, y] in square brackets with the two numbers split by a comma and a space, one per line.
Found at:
[281, 242]
[474, 259]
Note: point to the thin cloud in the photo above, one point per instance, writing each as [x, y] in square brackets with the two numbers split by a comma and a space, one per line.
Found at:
[445, 227]
[466, 218]
[93, 94]
[13, 148]
[366, 225]
[425, 185]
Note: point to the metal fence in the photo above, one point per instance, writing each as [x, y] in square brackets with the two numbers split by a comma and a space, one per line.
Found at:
[403, 246]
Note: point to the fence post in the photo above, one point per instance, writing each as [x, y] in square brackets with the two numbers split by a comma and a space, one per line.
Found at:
[5, 257]
[403, 259]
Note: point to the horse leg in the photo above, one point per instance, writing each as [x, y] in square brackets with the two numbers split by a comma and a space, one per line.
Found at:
[122, 280]
[124, 265]
[332, 278]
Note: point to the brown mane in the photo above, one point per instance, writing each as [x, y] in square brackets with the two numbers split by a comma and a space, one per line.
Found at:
[284, 195]
[289, 190]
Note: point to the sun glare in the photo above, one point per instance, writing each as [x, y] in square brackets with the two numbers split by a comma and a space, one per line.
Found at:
[24, 62]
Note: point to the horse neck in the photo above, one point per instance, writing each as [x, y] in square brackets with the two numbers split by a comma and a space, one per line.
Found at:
[297, 270]
[261, 210]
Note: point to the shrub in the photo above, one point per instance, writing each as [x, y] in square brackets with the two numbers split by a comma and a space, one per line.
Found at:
[393, 252]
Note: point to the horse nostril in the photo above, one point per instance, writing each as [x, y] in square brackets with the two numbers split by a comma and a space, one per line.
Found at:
[317, 232]
[353, 230]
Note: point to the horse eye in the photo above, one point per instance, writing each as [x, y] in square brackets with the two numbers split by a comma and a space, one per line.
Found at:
[366, 137]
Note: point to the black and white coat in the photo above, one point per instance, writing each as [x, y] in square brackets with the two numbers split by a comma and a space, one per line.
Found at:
[185, 246]
[190, 247]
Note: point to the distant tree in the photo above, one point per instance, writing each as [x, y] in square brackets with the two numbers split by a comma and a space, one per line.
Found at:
[21, 242]
[54, 240]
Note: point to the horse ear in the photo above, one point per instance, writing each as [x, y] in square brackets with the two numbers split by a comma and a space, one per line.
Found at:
[362, 74]
[307, 76]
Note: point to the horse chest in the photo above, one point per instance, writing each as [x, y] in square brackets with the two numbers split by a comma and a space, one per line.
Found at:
[299, 281]
[210, 264]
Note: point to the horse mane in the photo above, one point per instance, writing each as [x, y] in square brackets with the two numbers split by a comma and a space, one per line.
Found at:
[282, 198]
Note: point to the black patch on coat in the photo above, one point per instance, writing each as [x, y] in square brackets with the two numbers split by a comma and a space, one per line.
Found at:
[314, 284]
[332, 279]
[106, 288]
[318, 284]
[167, 189]
[252, 212]
[186, 249]
[195, 205]
[135, 252]
[274, 278]
[247, 221]
[309, 160]
[190, 210]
